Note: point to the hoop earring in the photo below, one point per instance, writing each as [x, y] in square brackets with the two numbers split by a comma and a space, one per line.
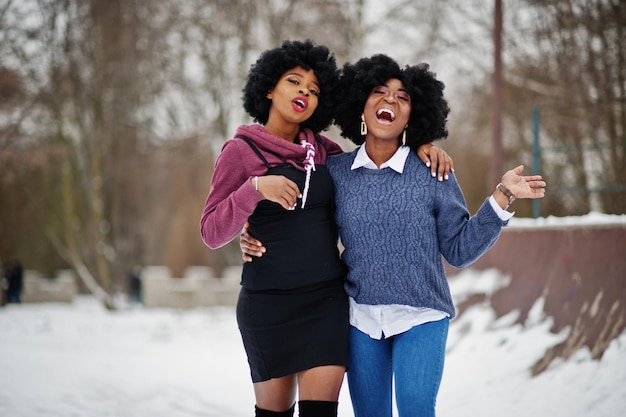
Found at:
[404, 138]
[363, 126]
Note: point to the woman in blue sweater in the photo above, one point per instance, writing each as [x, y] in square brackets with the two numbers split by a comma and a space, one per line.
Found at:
[396, 223]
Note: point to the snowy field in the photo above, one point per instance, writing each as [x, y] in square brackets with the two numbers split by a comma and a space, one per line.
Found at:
[81, 360]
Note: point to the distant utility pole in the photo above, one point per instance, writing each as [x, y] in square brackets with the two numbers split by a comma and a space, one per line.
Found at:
[497, 101]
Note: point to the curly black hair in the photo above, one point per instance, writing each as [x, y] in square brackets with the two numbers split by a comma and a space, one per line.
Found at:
[273, 63]
[429, 109]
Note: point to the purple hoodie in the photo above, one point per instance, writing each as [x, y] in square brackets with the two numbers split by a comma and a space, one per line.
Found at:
[232, 197]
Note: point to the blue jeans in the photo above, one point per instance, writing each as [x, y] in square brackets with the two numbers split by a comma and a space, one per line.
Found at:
[414, 358]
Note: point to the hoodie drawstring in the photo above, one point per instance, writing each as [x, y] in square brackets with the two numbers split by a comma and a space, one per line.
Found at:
[309, 165]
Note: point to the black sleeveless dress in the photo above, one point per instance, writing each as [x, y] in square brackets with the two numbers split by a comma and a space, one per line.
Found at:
[292, 312]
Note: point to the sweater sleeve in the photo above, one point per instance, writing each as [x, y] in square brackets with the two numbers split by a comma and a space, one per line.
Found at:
[231, 200]
[463, 238]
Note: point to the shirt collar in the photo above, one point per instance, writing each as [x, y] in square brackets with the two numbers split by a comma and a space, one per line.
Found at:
[396, 162]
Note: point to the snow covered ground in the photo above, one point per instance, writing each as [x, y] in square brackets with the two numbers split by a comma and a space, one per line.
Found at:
[81, 360]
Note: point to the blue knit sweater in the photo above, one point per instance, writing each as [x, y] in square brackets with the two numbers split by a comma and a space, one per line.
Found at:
[396, 228]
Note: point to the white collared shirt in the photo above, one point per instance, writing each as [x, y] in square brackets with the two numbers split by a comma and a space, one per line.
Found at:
[387, 320]
[396, 162]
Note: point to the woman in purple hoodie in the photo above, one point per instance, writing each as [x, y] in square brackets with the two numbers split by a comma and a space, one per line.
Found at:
[292, 310]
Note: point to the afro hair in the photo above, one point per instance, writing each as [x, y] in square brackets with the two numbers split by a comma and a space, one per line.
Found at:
[273, 63]
[429, 109]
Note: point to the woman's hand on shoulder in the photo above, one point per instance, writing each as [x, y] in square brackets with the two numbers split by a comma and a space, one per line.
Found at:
[438, 160]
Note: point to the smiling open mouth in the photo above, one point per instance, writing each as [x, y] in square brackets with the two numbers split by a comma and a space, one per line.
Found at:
[386, 114]
[300, 103]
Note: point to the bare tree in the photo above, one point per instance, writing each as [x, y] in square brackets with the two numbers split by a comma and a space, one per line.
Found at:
[112, 113]
[565, 57]
[573, 70]
[80, 63]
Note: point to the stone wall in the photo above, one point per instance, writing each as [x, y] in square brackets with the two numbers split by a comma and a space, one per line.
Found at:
[577, 272]
[37, 289]
[198, 288]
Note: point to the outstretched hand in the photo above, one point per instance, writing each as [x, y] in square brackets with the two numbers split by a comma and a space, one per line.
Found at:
[249, 246]
[439, 162]
[522, 186]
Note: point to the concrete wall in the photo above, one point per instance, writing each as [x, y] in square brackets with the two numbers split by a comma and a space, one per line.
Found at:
[37, 289]
[198, 288]
[578, 272]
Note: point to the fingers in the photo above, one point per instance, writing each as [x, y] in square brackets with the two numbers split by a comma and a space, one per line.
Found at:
[249, 246]
[529, 186]
[441, 164]
[450, 163]
[423, 154]
[293, 193]
[252, 250]
[538, 189]
[247, 242]
[279, 189]
[536, 193]
[437, 160]
[444, 166]
[434, 163]
[243, 245]
[513, 176]
[534, 181]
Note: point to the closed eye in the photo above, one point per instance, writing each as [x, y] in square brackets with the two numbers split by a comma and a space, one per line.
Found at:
[313, 91]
